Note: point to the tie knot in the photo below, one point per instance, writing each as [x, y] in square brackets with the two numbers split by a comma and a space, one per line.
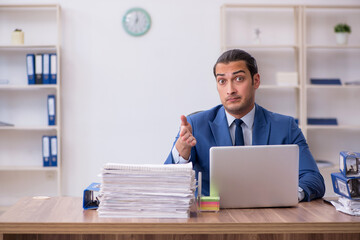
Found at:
[238, 122]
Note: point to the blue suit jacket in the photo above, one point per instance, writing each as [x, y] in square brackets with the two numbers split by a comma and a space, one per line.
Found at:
[210, 129]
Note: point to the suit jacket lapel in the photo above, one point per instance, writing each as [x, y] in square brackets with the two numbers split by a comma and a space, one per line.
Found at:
[261, 128]
[220, 129]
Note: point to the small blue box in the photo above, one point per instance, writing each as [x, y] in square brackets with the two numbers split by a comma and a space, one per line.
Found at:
[347, 187]
[350, 164]
[90, 200]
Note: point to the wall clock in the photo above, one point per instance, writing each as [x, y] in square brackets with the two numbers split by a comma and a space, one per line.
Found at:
[136, 22]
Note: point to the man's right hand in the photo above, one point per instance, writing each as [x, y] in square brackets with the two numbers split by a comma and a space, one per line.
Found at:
[186, 140]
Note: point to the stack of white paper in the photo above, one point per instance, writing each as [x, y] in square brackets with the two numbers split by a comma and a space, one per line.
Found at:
[147, 191]
[345, 205]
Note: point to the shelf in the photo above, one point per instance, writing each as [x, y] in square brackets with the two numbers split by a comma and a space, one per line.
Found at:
[29, 87]
[324, 86]
[257, 6]
[333, 127]
[28, 168]
[17, 6]
[333, 46]
[29, 128]
[277, 87]
[267, 47]
[28, 47]
[335, 7]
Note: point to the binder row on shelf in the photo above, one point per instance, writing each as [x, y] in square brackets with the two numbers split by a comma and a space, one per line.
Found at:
[49, 151]
[41, 68]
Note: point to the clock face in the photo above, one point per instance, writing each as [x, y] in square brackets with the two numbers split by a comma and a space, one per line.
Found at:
[136, 21]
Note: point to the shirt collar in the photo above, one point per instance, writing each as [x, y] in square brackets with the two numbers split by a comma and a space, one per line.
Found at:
[248, 119]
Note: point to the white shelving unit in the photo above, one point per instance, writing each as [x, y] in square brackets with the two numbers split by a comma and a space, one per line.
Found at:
[279, 54]
[323, 58]
[299, 38]
[21, 164]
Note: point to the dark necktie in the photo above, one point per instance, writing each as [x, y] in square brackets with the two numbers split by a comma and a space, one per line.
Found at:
[239, 138]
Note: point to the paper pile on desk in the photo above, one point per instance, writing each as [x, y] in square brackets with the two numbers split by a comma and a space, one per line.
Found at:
[348, 206]
[147, 191]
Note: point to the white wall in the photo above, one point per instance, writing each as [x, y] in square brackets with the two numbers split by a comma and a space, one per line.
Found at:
[122, 96]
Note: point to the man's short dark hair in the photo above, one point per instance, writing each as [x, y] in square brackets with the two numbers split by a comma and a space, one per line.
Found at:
[235, 55]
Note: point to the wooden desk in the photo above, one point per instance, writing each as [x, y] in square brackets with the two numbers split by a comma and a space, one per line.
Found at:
[64, 218]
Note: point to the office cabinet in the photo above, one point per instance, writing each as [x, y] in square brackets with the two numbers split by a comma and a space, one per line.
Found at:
[24, 105]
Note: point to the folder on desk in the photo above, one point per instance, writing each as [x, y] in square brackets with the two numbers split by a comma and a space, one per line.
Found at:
[90, 199]
[46, 69]
[350, 164]
[38, 68]
[30, 67]
[46, 151]
[53, 68]
[51, 110]
[53, 151]
[346, 186]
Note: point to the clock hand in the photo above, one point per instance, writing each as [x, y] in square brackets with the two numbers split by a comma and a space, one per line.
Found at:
[137, 18]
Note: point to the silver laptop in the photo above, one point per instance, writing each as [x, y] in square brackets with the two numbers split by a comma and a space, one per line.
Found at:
[255, 176]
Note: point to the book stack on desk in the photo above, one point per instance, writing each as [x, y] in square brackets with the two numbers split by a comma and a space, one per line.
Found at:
[147, 191]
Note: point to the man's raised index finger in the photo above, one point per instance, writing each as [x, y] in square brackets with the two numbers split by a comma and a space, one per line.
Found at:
[183, 120]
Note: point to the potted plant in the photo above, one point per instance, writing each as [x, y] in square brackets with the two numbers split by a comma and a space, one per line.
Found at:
[342, 30]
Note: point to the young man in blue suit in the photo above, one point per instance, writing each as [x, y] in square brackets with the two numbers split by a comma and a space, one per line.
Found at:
[237, 80]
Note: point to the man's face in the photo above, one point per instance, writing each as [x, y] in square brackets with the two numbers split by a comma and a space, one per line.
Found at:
[236, 87]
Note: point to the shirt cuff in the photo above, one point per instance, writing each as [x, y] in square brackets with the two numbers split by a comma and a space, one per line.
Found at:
[301, 194]
[177, 158]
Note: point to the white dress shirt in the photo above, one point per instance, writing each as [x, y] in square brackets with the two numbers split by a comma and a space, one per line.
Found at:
[247, 126]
